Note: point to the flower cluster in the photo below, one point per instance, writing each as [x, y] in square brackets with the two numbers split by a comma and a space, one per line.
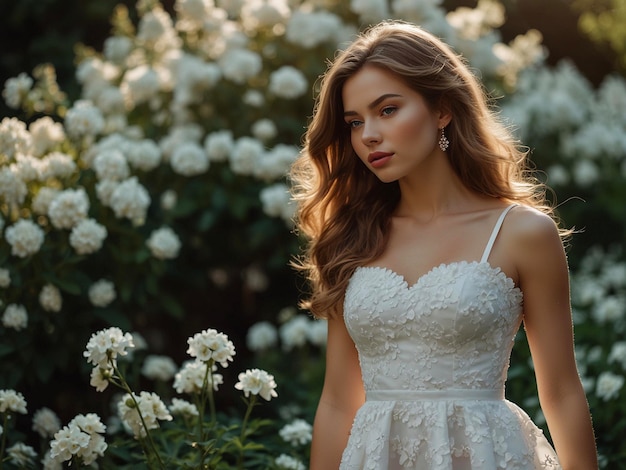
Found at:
[81, 438]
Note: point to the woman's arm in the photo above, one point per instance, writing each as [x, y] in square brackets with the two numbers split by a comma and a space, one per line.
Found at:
[342, 395]
[544, 279]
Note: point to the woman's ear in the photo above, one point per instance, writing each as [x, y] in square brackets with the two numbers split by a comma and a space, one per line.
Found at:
[444, 115]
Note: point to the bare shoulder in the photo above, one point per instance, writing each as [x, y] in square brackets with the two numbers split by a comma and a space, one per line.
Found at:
[528, 225]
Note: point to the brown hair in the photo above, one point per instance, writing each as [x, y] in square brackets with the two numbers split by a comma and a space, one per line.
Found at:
[344, 210]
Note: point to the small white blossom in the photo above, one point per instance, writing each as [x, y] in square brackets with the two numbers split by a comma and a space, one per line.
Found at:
[5, 278]
[57, 165]
[261, 336]
[318, 333]
[164, 243]
[13, 401]
[183, 407]
[190, 377]
[83, 120]
[294, 332]
[68, 208]
[169, 198]
[43, 199]
[102, 293]
[238, 65]
[87, 236]
[609, 385]
[253, 98]
[189, 159]
[12, 188]
[100, 377]
[111, 165]
[104, 191]
[618, 353]
[298, 432]
[255, 279]
[144, 155]
[130, 200]
[15, 316]
[82, 437]
[46, 422]
[27, 168]
[14, 138]
[264, 129]
[287, 82]
[157, 367]
[152, 410]
[257, 382]
[609, 309]
[46, 133]
[50, 298]
[107, 345]
[276, 201]
[256, 14]
[286, 462]
[21, 455]
[16, 90]
[140, 84]
[218, 145]
[117, 48]
[212, 345]
[309, 29]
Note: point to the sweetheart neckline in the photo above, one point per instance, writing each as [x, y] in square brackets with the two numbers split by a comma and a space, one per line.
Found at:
[494, 269]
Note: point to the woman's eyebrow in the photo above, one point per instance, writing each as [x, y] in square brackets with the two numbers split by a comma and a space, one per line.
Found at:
[374, 103]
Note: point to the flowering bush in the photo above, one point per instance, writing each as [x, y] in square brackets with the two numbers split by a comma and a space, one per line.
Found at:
[158, 202]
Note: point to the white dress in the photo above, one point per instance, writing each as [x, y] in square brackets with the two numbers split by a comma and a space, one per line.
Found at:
[434, 358]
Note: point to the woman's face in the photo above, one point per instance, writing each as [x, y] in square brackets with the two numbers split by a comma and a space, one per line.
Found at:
[392, 129]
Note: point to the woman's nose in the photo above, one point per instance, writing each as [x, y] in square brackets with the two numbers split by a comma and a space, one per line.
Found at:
[370, 134]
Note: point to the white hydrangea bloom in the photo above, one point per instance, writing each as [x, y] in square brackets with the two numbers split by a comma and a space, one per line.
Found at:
[57, 165]
[83, 119]
[218, 145]
[117, 48]
[257, 382]
[164, 243]
[558, 175]
[27, 168]
[156, 31]
[618, 353]
[189, 159]
[169, 198]
[276, 201]
[264, 129]
[50, 298]
[294, 332]
[46, 422]
[130, 200]
[253, 98]
[16, 90]
[12, 401]
[190, 377]
[14, 138]
[298, 432]
[140, 85]
[107, 344]
[287, 462]
[309, 29]
[238, 65]
[144, 155]
[46, 133]
[102, 293]
[177, 136]
[193, 75]
[183, 407]
[111, 165]
[150, 406]
[25, 238]
[82, 437]
[104, 191]
[261, 336]
[157, 367]
[191, 14]
[370, 11]
[21, 455]
[609, 385]
[246, 155]
[5, 278]
[68, 208]
[586, 173]
[212, 345]
[257, 14]
[288, 82]
[87, 236]
[12, 188]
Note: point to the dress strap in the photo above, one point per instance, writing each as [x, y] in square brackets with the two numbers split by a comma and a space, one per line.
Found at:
[494, 233]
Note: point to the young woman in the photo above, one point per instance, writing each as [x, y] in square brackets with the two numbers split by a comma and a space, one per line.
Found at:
[429, 245]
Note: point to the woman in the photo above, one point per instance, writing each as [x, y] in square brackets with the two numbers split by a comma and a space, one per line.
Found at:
[425, 233]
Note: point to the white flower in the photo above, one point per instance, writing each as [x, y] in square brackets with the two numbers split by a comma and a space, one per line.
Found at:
[238, 65]
[169, 198]
[294, 332]
[87, 236]
[297, 432]
[609, 385]
[12, 188]
[189, 159]
[27, 168]
[46, 133]
[130, 199]
[190, 377]
[209, 345]
[83, 120]
[286, 462]
[183, 407]
[144, 155]
[288, 82]
[256, 14]
[16, 90]
[261, 336]
[104, 191]
[253, 98]
[50, 298]
[370, 11]
[264, 129]
[157, 367]
[111, 165]
[140, 84]
[25, 238]
[10, 400]
[609, 309]
[309, 29]
[106, 345]
[68, 208]
[46, 422]
[255, 279]
[218, 145]
[246, 155]
[102, 293]
[164, 243]
[117, 48]
[42, 200]
[82, 438]
[21, 455]
[100, 377]
[585, 173]
[276, 163]
[276, 201]
[150, 406]
[57, 165]
[257, 382]
[618, 353]
[5, 278]
[14, 138]
[15, 316]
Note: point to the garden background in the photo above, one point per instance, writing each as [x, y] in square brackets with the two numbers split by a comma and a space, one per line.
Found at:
[143, 152]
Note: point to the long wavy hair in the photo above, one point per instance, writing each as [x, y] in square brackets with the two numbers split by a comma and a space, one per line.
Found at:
[344, 210]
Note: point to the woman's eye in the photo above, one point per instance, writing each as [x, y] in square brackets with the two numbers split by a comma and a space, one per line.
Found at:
[386, 111]
[354, 124]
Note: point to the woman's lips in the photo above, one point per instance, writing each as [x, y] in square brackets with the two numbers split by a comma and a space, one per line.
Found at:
[378, 159]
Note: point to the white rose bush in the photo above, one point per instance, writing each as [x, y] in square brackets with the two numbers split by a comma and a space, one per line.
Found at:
[157, 201]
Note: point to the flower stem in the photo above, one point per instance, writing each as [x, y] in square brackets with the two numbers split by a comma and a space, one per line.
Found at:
[244, 423]
[3, 443]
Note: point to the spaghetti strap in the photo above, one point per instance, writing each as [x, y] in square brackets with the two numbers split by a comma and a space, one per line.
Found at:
[494, 233]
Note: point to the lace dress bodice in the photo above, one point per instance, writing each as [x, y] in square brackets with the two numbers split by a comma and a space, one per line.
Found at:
[434, 357]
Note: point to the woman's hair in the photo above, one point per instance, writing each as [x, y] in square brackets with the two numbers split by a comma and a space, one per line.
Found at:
[344, 210]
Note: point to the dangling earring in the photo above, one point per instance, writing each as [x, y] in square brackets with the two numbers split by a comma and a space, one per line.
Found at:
[443, 140]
